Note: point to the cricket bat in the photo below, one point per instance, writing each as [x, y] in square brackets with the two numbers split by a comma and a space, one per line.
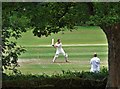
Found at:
[52, 42]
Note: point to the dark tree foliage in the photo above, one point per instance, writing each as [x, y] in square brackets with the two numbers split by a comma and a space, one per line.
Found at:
[13, 24]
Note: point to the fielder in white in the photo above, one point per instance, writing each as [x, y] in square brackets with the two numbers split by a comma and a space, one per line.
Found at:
[59, 50]
[95, 64]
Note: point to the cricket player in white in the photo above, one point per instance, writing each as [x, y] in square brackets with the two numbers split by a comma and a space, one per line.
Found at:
[95, 64]
[59, 50]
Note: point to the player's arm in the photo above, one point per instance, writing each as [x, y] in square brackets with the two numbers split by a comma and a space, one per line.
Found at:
[91, 61]
[55, 45]
[98, 61]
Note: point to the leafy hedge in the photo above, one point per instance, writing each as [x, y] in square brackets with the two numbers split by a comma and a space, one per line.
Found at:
[66, 80]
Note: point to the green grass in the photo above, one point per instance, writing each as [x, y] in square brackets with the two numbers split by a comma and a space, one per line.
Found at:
[73, 52]
[82, 35]
[38, 59]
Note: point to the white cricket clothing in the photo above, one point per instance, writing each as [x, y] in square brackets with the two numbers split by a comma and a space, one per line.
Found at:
[59, 49]
[95, 64]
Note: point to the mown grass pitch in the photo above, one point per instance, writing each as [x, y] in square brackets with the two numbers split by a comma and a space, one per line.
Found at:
[38, 57]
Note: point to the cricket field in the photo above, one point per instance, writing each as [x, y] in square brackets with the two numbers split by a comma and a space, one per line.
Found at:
[80, 45]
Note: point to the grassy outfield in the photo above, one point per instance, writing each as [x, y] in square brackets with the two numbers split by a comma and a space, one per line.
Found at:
[81, 35]
[38, 59]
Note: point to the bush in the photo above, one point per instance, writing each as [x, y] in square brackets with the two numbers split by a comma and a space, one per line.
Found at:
[66, 80]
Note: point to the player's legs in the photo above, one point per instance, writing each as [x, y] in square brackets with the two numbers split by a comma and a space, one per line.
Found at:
[66, 56]
[55, 57]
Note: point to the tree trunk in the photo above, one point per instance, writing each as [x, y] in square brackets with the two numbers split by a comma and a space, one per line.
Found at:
[113, 37]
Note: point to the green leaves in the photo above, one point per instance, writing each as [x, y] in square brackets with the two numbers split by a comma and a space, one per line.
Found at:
[14, 23]
[106, 13]
[10, 55]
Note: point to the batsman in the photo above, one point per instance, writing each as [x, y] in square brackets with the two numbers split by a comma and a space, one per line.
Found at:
[59, 50]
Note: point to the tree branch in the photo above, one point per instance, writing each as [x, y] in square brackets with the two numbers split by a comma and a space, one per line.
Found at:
[90, 8]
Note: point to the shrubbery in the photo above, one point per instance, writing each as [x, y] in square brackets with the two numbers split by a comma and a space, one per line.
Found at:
[66, 80]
